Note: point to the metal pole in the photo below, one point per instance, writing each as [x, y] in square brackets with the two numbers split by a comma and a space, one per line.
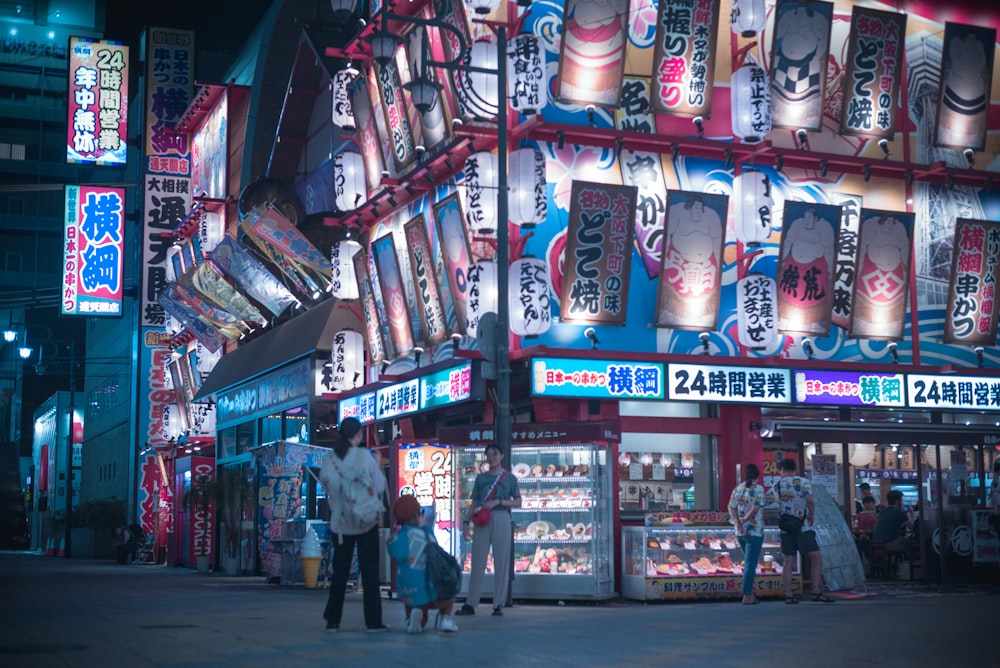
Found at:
[69, 452]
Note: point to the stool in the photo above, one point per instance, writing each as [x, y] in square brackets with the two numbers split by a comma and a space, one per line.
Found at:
[881, 561]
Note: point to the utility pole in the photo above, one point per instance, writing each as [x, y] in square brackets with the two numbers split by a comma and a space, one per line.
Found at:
[69, 451]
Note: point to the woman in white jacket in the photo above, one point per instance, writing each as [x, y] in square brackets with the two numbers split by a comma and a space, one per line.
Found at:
[344, 465]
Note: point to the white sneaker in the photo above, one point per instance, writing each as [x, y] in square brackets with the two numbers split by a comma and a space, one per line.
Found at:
[413, 623]
[447, 625]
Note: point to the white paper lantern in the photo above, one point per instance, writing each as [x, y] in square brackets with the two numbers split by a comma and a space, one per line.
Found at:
[348, 357]
[480, 94]
[482, 295]
[482, 6]
[861, 454]
[526, 73]
[756, 305]
[526, 178]
[747, 17]
[343, 283]
[481, 191]
[528, 296]
[343, 111]
[349, 187]
[752, 205]
[751, 102]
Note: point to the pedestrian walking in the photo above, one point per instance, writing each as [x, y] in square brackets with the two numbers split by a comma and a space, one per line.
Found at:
[745, 505]
[798, 513]
[354, 485]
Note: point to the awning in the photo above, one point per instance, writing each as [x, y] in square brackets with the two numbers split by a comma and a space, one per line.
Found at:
[884, 432]
[301, 336]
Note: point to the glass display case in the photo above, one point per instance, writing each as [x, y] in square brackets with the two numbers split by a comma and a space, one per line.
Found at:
[563, 543]
[684, 561]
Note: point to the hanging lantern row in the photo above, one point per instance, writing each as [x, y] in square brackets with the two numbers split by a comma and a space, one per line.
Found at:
[348, 358]
[482, 295]
[527, 198]
[751, 102]
[480, 95]
[526, 74]
[748, 17]
[752, 204]
[342, 281]
[349, 187]
[528, 297]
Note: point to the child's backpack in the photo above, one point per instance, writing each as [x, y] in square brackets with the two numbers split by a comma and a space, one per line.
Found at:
[443, 570]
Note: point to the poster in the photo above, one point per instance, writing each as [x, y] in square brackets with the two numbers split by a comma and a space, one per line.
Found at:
[592, 51]
[965, 86]
[874, 69]
[390, 280]
[684, 60]
[805, 267]
[799, 54]
[883, 269]
[971, 316]
[456, 254]
[824, 472]
[425, 283]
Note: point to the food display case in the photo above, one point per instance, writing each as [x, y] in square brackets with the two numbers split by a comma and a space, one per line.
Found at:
[697, 555]
[563, 541]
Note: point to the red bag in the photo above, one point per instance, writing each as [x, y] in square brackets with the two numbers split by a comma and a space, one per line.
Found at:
[481, 516]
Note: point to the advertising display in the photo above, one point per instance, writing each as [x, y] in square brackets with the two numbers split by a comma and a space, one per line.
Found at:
[805, 270]
[209, 166]
[728, 384]
[799, 58]
[684, 64]
[850, 388]
[878, 310]
[592, 52]
[98, 101]
[966, 81]
[93, 243]
[972, 293]
[874, 69]
[393, 296]
[605, 379]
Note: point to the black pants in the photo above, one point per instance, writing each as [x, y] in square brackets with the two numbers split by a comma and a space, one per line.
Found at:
[343, 550]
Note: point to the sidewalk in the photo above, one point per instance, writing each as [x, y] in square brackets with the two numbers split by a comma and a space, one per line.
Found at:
[60, 612]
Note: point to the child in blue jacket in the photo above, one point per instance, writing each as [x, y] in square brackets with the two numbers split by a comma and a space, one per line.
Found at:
[408, 546]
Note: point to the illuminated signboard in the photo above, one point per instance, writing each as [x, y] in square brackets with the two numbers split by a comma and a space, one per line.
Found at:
[98, 102]
[959, 392]
[92, 251]
[599, 379]
[729, 384]
[850, 388]
[437, 389]
[425, 472]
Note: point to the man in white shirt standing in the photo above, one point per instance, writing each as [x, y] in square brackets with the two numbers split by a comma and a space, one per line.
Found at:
[794, 496]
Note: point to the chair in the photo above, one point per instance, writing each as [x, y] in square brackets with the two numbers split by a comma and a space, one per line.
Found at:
[880, 560]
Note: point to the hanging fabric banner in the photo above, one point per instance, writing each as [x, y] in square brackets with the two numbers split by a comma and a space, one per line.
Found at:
[684, 64]
[397, 120]
[966, 79]
[805, 267]
[435, 127]
[425, 281]
[874, 68]
[390, 280]
[691, 271]
[883, 265]
[598, 254]
[446, 44]
[845, 271]
[592, 52]
[971, 318]
[373, 327]
[799, 55]
[456, 253]
[250, 276]
[288, 248]
[368, 138]
[186, 316]
[644, 171]
[212, 285]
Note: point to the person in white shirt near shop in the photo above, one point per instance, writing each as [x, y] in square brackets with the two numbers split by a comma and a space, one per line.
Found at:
[744, 510]
[794, 496]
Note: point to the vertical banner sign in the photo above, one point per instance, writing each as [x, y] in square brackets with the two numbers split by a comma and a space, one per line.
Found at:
[367, 132]
[435, 124]
[373, 328]
[799, 55]
[684, 64]
[644, 171]
[966, 80]
[425, 282]
[456, 254]
[393, 296]
[98, 102]
[971, 318]
[805, 267]
[446, 48]
[691, 272]
[167, 184]
[396, 119]
[209, 167]
[883, 265]
[598, 254]
[874, 65]
[92, 251]
[288, 249]
[845, 271]
[592, 52]
[756, 306]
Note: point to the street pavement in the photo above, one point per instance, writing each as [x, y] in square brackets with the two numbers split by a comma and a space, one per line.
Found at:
[77, 613]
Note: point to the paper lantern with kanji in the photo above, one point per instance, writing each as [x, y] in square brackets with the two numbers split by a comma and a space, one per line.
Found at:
[526, 73]
[756, 306]
[747, 17]
[343, 284]
[481, 188]
[750, 92]
[528, 296]
[482, 293]
[349, 181]
[343, 111]
[526, 201]
[348, 357]
[752, 205]
[482, 97]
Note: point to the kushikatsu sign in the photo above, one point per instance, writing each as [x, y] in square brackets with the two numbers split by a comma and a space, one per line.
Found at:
[850, 388]
[94, 234]
[729, 384]
[598, 379]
